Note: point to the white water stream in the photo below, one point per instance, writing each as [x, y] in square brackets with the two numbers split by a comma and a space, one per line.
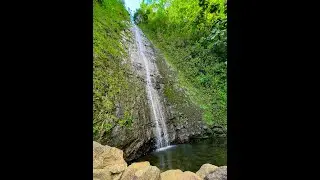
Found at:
[153, 97]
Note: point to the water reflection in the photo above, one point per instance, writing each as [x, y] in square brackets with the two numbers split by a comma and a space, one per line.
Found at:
[161, 160]
[165, 159]
[169, 160]
[189, 157]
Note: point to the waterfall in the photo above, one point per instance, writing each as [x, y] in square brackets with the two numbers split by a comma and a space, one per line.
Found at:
[153, 97]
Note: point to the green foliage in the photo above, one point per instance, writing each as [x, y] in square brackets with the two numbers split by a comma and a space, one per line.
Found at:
[110, 79]
[192, 35]
[127, 119]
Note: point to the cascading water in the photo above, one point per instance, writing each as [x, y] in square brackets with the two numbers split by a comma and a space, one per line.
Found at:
[153, 97]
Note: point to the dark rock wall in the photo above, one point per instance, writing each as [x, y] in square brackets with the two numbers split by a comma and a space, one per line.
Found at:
[183, 118]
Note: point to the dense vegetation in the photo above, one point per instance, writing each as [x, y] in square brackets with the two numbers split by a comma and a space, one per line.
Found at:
[110, 79]
[192, 35]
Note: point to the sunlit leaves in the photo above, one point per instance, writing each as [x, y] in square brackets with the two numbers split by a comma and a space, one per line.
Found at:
[193, 36]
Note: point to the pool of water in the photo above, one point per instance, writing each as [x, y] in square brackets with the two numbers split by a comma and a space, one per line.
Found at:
[189, 157]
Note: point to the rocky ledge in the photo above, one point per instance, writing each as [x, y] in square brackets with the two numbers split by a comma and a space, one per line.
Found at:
[108, 164]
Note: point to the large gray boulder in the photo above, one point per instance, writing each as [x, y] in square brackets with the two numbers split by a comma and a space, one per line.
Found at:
[218, 174]
[108, 162]
[177, 174]
[205, 170]
[147, 173]
[129, 173]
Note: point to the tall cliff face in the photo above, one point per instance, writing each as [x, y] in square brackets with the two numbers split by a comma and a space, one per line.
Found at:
[122, 117]
[182, 117]
[135, 137]
[120, 110]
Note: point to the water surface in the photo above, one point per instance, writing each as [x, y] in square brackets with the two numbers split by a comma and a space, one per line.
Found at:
[189, 157]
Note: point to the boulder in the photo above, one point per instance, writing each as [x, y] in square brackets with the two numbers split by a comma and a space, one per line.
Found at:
[97, 149]
[116, 176]
[205, 170]
[219, 173]
[101, 174]
[188, 175]
[106, 157]
[108, 162]
[129, 173]
[179, 175]
[147, 173]
[105, 174]
[171, 174]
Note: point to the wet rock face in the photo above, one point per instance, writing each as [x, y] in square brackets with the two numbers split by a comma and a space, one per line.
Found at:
[183, 119]
[136, 140]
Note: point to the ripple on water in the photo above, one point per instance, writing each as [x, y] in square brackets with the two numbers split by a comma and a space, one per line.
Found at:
[164, 148]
